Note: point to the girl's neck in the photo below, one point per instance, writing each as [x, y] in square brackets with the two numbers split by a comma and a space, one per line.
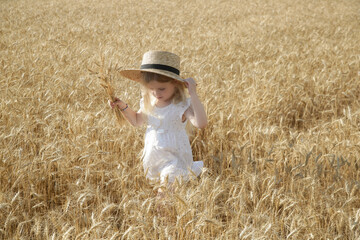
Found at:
[161, 104]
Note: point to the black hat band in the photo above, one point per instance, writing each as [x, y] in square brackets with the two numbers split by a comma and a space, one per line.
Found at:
[160, 67]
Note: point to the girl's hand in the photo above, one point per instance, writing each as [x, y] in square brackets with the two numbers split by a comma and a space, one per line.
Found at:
[120, 104]
[191, 85]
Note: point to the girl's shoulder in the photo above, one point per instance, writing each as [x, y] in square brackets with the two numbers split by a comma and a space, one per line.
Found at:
[141, 103]
[184, 104]
[187, 102]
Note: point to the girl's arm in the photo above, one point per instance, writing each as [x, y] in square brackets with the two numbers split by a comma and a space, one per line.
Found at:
[196, 113]
[134, 118]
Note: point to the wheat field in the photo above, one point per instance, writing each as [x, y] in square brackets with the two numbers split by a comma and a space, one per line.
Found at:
[280, 83]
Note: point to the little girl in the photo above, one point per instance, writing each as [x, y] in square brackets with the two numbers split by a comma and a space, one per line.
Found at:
[164, 107]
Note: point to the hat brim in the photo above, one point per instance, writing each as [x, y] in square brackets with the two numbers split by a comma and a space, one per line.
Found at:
[135, 74]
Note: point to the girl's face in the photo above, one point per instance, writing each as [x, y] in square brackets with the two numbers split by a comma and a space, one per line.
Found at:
[162, 91]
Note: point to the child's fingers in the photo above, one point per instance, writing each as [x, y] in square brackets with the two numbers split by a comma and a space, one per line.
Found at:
[189, 81]
[114, 103]
[111, 104]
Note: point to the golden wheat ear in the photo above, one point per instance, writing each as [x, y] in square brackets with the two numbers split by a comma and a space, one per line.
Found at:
[104, 75]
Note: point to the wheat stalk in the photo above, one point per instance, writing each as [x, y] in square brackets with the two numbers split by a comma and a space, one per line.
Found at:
[104, 75]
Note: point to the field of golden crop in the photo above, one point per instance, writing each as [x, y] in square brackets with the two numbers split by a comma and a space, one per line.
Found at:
[280, 83]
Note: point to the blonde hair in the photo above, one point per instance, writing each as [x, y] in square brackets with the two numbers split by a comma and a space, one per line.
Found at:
[179, 94]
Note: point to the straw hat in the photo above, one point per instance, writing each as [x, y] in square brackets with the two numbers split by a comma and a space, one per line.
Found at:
[160, 62]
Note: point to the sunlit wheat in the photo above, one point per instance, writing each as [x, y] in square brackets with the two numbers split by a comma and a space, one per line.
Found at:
[280, 83]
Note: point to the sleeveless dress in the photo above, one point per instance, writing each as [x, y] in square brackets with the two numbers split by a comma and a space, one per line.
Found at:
[167, 152]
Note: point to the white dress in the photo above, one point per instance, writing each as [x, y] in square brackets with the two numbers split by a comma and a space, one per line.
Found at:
[167, 151]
